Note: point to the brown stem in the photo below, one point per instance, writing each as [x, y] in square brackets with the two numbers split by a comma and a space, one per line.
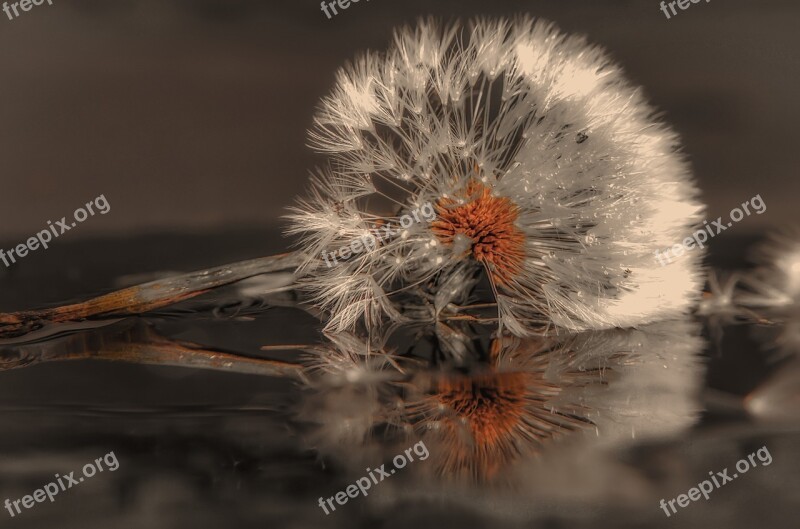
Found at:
[146, 297]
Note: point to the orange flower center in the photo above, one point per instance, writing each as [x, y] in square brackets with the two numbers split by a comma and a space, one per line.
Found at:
[489, 223]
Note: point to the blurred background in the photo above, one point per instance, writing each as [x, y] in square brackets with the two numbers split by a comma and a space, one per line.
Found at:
[192, 114]
[190, 117]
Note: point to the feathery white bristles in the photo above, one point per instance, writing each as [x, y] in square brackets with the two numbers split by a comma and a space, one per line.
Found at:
[568, 149]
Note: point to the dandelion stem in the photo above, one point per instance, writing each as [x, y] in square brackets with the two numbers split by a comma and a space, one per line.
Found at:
[146, 297]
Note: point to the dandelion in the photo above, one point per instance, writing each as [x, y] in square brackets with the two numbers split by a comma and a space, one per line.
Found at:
[548, 173]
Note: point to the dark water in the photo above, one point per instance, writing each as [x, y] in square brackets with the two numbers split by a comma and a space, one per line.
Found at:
[208, 448]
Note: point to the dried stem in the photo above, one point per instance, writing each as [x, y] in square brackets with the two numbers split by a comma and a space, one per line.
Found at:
[146, 297]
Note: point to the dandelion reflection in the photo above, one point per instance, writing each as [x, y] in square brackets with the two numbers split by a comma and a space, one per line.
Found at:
[596, 391]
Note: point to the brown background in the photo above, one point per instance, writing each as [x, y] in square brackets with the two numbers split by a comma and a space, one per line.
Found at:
[191, 115]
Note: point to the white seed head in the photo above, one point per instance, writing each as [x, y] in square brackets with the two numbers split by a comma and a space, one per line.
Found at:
[545, 166]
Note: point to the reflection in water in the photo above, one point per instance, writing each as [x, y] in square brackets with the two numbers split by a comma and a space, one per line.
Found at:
[773, 289]
[518, 427]
[137, 342]
[770, 296]
[482, 416]
[594, 391]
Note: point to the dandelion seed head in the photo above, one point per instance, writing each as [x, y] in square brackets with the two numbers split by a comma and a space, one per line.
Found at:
[545, 168]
